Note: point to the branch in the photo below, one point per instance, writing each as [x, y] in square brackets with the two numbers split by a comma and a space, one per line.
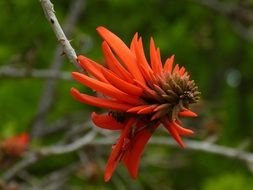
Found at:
[48, 9]
[236, 14]
[194, 145]
[32, 157]
[88, 140]
[48, 95]
[11, 72]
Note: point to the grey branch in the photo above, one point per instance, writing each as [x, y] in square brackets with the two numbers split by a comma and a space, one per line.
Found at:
[32, 157]
[48, 9]
[90, 140]
[196, 146]
[235, 13]
[47, 98]
[12, 72]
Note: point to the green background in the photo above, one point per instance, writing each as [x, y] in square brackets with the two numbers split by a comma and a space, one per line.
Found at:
[211, 43]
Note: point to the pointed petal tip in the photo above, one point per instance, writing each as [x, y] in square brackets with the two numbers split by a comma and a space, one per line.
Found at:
[107, 177]
[80, 57]
[134, 175]
[73, 91]
[182, 145]
[93, 115]
[187, 113]
[74, 74]
[100, 28]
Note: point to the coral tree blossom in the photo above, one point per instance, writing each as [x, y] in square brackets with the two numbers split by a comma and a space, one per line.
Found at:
[139, 96]
[16, 145]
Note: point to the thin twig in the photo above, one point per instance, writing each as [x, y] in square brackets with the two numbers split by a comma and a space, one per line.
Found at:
[236, 15]
[48, 9]
[48, 93]
[88, 140]
[11, 72]
[35, 156]
[194, 145]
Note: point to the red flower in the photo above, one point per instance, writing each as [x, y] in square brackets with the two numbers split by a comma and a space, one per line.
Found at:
[15, 146]
[140, 97]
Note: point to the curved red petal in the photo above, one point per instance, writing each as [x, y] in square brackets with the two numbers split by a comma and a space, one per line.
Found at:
[168, 64]
[106, 121]
[114, 64]
[181, 130]
[148, 109]
[99, 102]
[173, 131]
[181, 71]
[136, 150]
[187, 113]
[176, 69]
[116, 151]
[121, 84]
[106, 89]
[137, 108]
[122, 51]
[155, 58]
[92, 67]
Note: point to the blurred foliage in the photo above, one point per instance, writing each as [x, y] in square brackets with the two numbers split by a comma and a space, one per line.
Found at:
[228, 182]
[205, 42]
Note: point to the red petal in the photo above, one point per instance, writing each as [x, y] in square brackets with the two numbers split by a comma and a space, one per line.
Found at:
[136, 150]
[137, 108]
[142, 61]
[148, 91]
[173, 131]
[116, 151]
[114, 64]
[134, 43]
[121, 84]
[187, 113]
[154, 58]
[181, 130]
[168, 64]
[99, 102]
[92, 67]
[105, 88]
[176, 69]
[15, 145]
[106, 121]
[122, 51]
[148, 109]
[181, 71]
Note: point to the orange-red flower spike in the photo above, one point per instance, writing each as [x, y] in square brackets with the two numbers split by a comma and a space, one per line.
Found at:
[139, 96]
